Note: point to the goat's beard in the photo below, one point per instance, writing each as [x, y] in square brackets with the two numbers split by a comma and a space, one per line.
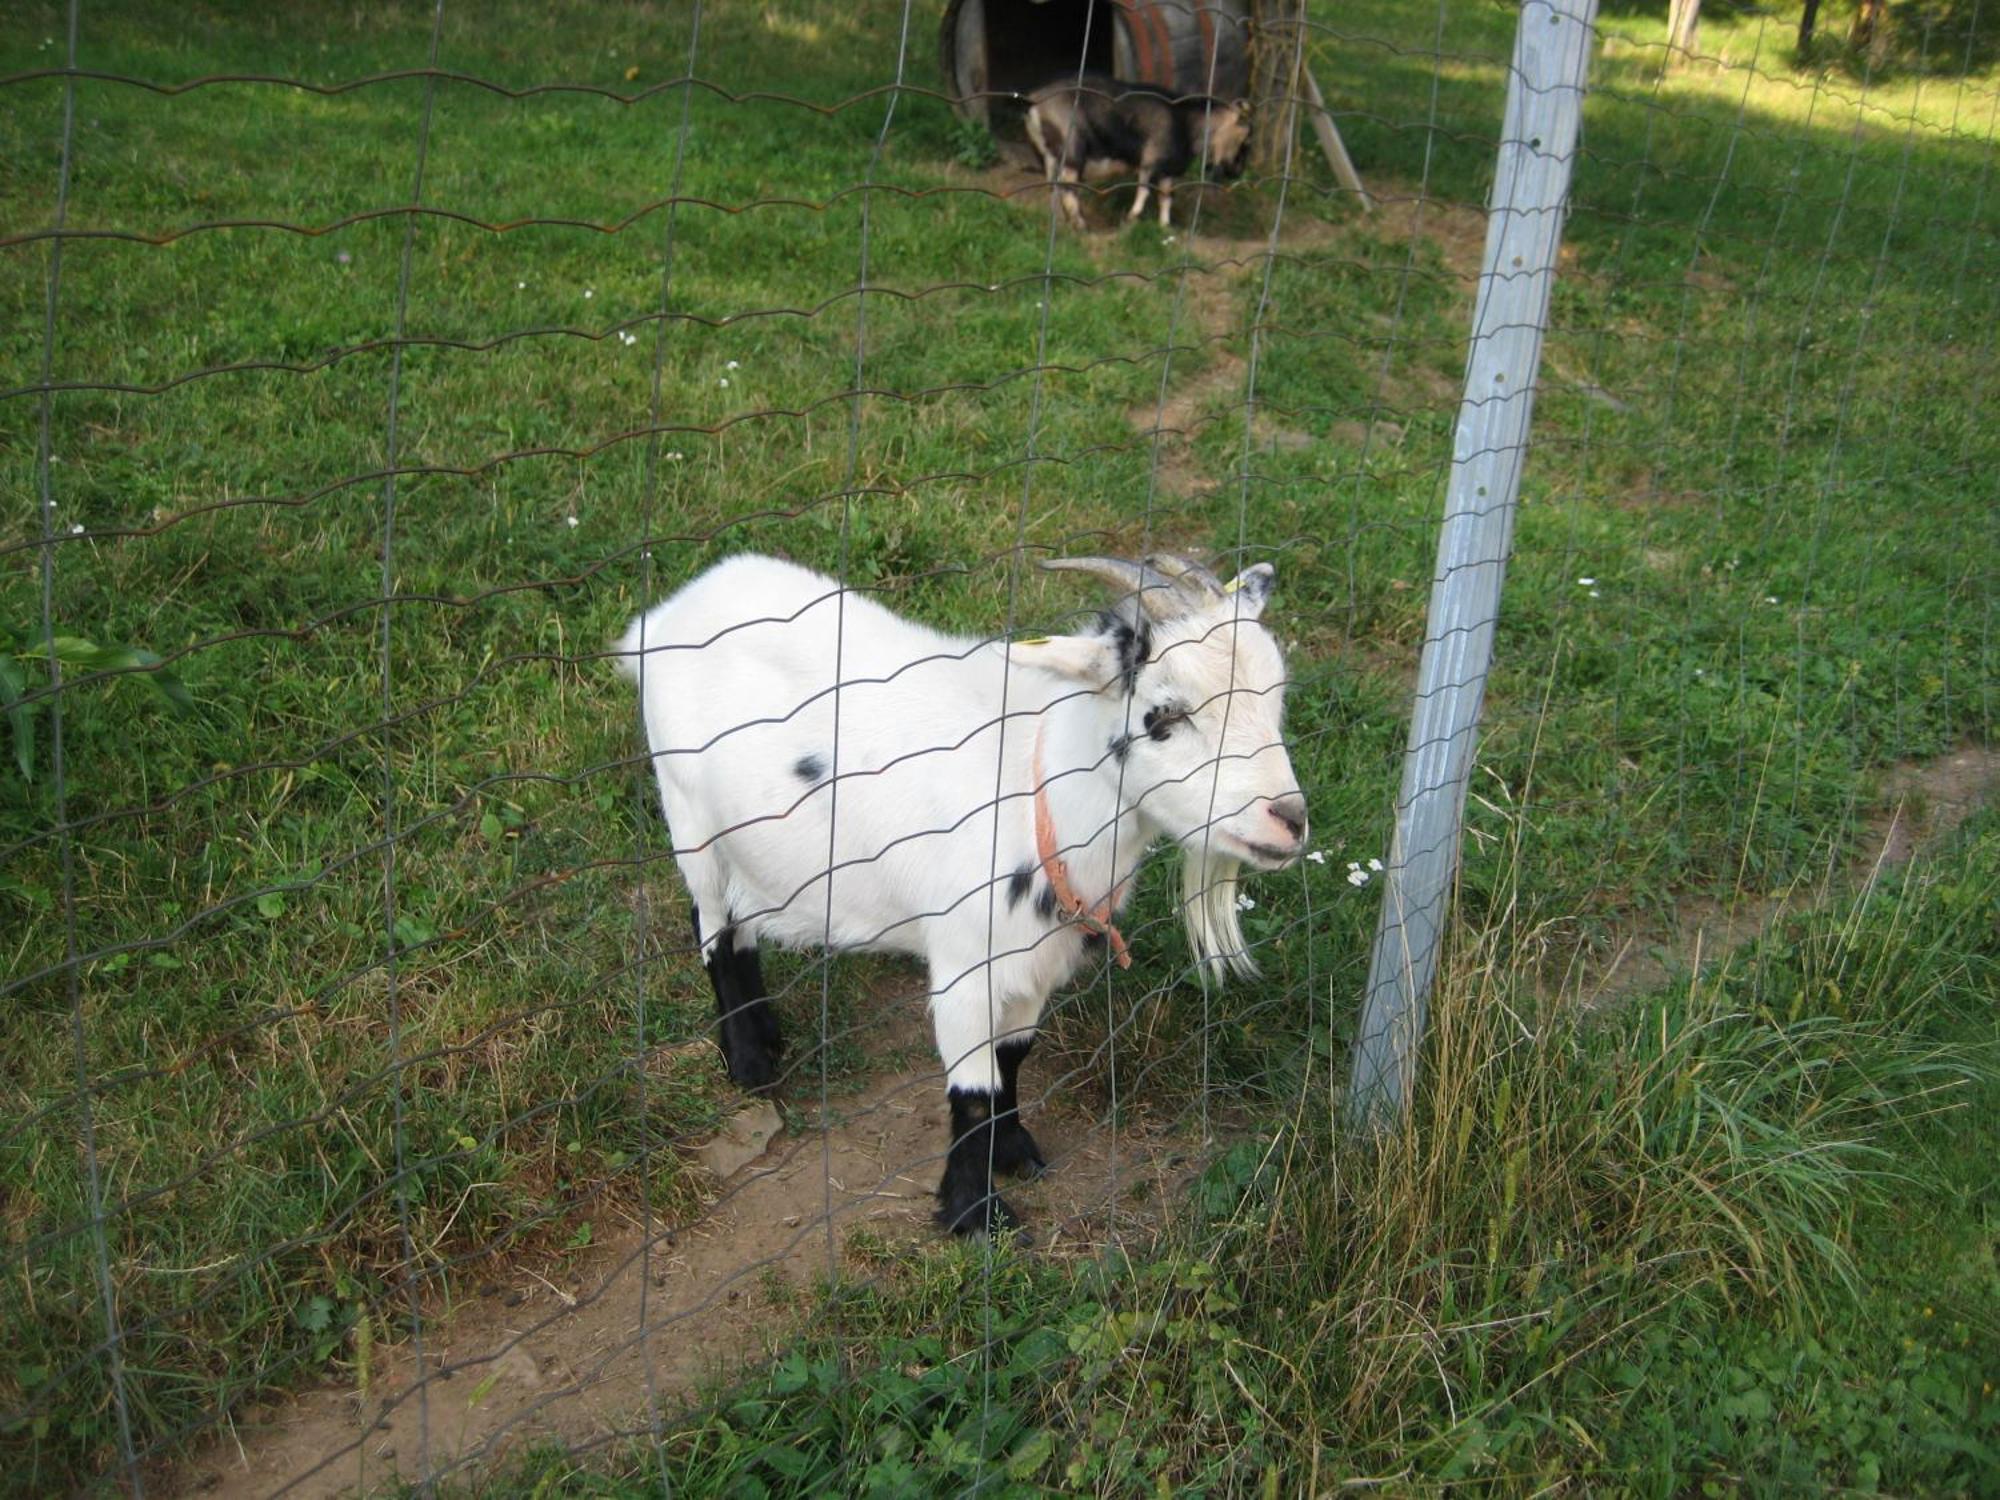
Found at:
[1208, 904]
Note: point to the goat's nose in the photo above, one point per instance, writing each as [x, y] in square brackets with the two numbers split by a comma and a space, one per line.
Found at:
[1291, 813]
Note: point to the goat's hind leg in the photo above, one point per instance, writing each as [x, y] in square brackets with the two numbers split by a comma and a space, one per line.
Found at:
[1052, 146]
[751, 1043]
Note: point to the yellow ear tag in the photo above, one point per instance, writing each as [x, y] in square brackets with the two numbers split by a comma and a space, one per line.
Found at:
[1033, 640]
[1232, 586]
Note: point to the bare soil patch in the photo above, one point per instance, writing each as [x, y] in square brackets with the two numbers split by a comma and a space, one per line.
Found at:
[652, 1314]
[1405, 211]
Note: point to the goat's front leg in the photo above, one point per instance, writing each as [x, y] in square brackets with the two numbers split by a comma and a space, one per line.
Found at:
[1166, 202]
[1139, 202]
[981, 1040]
[1072, 208]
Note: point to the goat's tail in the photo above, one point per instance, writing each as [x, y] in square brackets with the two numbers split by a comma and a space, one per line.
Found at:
[1208, 903]
[625, 651]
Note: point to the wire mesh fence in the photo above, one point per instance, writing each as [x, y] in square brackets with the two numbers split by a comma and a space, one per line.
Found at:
[368, 375]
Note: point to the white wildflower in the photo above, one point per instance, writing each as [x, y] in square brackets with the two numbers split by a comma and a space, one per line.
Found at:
[77, 529]
[1375, 865]
[1357, 878]
[1585, 582]
[1770, 598]
[1318, 856]
[724, 382]
[520, 286]
[574, 523]
[730, 366]
[1594, 594]
[588, 294]
[1244, 903]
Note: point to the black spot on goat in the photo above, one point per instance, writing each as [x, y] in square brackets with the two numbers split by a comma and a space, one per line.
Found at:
[1017, 885]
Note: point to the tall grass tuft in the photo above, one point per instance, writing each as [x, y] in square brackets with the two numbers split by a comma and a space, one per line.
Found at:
[1568, 1183]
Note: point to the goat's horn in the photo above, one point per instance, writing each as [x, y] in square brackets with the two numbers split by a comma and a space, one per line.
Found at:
[1160, 595]
[1186, 571]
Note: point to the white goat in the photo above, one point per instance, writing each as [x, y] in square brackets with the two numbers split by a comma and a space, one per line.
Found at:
[982, 805]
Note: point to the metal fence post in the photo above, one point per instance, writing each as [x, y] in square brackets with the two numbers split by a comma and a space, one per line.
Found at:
[1552, 47]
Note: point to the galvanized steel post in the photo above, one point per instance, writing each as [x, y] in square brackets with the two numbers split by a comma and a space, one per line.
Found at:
[1544, 112]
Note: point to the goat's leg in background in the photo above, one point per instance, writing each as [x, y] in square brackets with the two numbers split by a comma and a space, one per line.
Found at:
[1014, 1150]
[1139, 202]
[1072, 207]
[748, 1022]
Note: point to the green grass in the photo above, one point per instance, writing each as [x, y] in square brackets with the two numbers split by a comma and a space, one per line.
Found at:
[1787, 297]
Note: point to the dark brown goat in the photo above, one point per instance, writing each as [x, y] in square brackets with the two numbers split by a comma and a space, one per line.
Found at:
[1100, 125]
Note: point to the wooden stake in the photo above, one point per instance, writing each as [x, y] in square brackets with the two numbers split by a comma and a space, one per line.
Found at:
[1331, 144]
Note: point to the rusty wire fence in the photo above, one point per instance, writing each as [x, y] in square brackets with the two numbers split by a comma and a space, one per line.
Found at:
[365, 374]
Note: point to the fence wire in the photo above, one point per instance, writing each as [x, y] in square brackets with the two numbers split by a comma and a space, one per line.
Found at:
[364, 1120]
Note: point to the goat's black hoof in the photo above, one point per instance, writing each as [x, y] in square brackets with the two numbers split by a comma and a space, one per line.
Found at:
[1015, 1151]
[978, 1214]
[754, 1071]
[752, 1047]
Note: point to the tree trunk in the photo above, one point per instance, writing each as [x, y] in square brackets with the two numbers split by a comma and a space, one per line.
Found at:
[1867, 25]
[1806, 23]
[1683, 21]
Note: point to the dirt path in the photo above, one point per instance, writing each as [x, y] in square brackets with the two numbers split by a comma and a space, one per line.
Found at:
[1210, 316]
[1926, 801]
[649, 1320]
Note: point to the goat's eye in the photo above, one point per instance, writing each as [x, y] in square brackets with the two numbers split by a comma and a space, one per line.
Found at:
[1161, 720]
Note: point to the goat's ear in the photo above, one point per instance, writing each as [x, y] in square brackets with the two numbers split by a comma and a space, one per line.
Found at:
[1089, 659]
[1251, 589]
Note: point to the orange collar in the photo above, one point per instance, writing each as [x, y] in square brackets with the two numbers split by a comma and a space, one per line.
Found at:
[1095, 918]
